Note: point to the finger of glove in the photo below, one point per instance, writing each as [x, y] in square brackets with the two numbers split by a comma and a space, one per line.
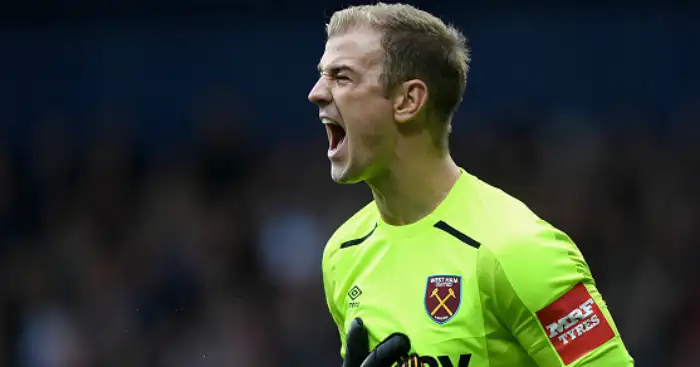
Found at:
[389, 351]
[412, 361]
[356, 344]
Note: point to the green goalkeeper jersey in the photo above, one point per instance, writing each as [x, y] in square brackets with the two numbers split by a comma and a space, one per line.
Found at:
[480, 282]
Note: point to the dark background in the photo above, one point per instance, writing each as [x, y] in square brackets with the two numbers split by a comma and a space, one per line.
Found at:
[165, 196]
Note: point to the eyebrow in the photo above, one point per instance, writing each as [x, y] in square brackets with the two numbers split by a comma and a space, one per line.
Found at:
[335, 69]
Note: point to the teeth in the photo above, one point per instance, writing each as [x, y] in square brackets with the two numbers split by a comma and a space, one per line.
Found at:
[327, 121]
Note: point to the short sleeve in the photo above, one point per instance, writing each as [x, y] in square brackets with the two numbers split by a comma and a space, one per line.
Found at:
[540, 288]
[329, 292]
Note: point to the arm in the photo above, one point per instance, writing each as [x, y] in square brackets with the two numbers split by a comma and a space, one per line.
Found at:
[542, 291]
[329, 292]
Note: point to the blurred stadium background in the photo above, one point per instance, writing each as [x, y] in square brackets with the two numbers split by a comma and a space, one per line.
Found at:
[165, 196]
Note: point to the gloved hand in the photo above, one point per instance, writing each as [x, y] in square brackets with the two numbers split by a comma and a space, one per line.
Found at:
[394, 349]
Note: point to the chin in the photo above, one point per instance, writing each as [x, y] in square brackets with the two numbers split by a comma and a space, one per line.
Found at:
[344, 175]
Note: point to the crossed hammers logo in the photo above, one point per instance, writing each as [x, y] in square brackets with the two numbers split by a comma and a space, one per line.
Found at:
[442, 301]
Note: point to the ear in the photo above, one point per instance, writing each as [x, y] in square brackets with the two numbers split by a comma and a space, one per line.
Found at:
[409, 99]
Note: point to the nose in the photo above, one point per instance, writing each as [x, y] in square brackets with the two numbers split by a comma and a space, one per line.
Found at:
[320, 94]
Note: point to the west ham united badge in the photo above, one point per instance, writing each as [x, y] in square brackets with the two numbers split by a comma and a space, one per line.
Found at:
[443, 295]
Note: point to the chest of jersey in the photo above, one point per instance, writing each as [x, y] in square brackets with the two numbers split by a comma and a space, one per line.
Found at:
[425, 287]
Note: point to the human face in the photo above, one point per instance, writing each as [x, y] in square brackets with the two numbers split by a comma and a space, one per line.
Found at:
[353, 106]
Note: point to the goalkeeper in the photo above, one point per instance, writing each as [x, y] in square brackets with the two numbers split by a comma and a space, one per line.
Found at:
[440, 269]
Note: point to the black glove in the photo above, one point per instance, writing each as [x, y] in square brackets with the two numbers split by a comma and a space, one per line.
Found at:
[394, 349]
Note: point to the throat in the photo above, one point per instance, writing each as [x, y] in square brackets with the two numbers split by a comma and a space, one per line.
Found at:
[404, 199]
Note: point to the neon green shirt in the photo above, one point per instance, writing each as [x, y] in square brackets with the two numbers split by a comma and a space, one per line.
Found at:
[480, 282]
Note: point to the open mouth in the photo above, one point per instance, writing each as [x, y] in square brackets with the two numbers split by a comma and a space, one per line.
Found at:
[336, 134]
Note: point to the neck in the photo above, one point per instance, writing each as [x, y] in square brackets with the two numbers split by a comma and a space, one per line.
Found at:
[412, 188]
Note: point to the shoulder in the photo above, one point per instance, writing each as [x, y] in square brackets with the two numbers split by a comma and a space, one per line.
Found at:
[535, 246]
[521, 240]
[489, 215]
[539, 262]
[497, 220]
[353, 230]
[533, 257]
[536, 260]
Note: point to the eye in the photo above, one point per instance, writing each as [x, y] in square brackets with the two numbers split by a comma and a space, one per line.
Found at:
[342, 78]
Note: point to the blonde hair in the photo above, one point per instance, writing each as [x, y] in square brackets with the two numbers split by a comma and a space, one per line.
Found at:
[417, 45]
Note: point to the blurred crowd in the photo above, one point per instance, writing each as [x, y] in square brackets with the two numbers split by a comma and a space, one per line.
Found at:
[207, 252]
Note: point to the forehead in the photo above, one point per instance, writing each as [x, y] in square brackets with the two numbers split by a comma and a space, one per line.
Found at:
[360, 48]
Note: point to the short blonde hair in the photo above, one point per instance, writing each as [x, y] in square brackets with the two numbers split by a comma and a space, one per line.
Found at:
[417, 45]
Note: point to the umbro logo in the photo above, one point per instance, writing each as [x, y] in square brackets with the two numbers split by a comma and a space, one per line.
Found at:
[354, 293]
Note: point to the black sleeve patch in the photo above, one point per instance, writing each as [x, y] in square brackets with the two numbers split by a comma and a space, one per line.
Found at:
[457, 234]
[357, 241]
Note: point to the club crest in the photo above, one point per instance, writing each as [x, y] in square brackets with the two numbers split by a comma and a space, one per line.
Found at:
[443, 295]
